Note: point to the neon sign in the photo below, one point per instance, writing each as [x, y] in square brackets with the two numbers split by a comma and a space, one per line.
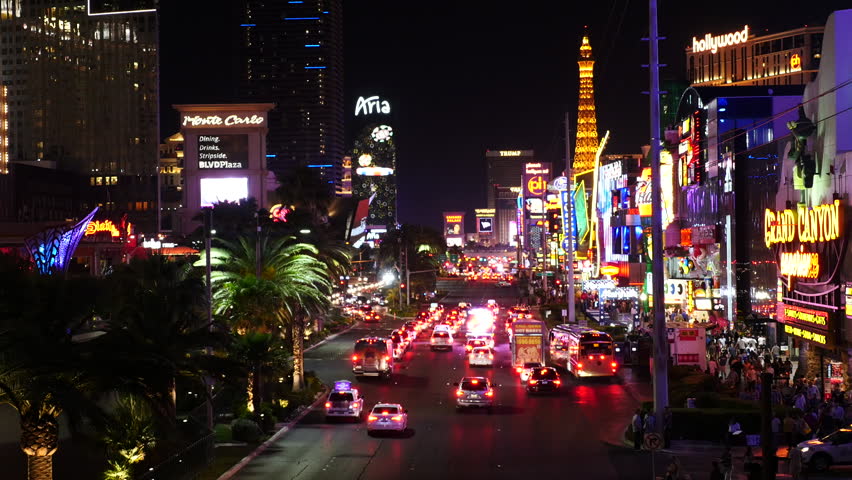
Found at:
[806, 334]
[795, 63]
[714, 43]
[219, 121]
[453, 218]
[799, 264]
[374, 171]
[96, 226]
[536, 185]
[510, 153]
[536, 169]
[796, 314]
[810, 225]
[371, 105]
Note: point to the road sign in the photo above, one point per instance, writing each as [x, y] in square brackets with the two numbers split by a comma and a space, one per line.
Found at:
[653, 441]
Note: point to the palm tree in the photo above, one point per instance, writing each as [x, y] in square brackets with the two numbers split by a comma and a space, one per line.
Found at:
[44, 371]
[158, 331]
[301, 282]
[258, 352]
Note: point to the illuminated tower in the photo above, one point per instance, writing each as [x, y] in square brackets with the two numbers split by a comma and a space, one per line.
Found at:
[587, 122]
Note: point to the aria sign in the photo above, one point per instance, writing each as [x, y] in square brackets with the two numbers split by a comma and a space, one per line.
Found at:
[222, 121]
[714, 43]
[371, 105]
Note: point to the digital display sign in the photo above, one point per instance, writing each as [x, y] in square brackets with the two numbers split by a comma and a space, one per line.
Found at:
[217, 190]
[485, 224]
[222, 152]
[807, 323]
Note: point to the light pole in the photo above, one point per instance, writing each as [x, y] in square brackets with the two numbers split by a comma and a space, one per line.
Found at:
[208, 234]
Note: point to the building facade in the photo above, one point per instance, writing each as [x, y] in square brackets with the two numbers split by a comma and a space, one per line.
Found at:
[504, 169]
[293, 57]
[744, 58]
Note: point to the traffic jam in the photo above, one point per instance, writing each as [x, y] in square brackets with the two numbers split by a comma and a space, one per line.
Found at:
[538, 359]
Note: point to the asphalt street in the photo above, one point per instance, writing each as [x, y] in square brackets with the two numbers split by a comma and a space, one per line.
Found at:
[557, 435]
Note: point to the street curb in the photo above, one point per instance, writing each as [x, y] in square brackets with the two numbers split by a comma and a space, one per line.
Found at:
[274, 438]
[332, 336]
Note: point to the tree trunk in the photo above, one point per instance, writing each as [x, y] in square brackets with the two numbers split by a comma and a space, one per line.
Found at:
[257, 393]
[39, 440]
[298, 354]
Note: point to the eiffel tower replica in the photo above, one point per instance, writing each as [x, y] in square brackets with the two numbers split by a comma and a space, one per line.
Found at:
[586, 145]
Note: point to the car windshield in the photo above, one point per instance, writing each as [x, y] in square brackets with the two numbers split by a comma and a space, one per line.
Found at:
[482, 351]
[840, 437]
[477, 387]
[385, 410]
[340, 397]
[596, 349]
[441, 334]
[545, 373]
[532, 365]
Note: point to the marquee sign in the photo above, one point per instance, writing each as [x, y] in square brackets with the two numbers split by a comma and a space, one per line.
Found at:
[453, 218]
[97, 226]
[808, 225]
[536, 185]
[371, 105]
[714, 43]
[799, 264]
[795, 63]
[223, 121]
[807, 323]
[222, 151]
[485, 225]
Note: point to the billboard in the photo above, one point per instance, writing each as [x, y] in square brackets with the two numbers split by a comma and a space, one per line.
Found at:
[217, 152]
[535, 179]
[485, 224]
[217, 190]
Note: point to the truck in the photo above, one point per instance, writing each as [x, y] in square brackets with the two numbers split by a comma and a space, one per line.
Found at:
[527, 339]
[687, 344]
[373, 357]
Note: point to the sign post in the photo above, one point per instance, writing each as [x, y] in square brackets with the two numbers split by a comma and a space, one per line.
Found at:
[653, 442]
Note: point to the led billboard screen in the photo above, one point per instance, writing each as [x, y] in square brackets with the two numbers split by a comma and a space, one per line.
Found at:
[217, 190]
[217, 152]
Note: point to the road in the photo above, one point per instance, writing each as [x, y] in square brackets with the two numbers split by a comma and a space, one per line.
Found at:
[560, 435]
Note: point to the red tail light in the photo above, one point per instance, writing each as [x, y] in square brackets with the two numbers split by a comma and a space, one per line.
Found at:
[372, 418]
[533, 381]
[580, 366]
[558, 382]
[519, 369]
[354, 358]
[490, 356]
[397, 418]
[614, 365]
[327, 404]
[591, 357]
[459, 393]
[602, 357]
[489, 393]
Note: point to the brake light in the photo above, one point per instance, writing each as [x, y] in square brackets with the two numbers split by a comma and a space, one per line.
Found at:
[397, 418]
[602, 357]
[489, 393]
[614, 365]
[459, 393]
[490, 356]
[591, 357]
[580, 366]
[354, 358]
[474, 381]
[372, 418]
[533, 381]
[519, 369]
[558, 382]
[327, 404]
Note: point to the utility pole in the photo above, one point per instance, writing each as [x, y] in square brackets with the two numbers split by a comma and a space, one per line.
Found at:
[208, 234]
[569, 223]
[257, 246]
[661, 343]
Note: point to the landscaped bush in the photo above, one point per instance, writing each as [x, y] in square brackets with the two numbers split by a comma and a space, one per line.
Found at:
[245, 430]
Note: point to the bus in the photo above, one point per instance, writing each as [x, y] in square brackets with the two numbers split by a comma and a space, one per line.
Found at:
[582, 351]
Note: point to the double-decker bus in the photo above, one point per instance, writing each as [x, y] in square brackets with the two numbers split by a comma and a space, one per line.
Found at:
[582, 351]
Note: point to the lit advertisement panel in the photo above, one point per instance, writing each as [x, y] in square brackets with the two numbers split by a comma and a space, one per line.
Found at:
[217, 190]
[217, 152]
[485, 224]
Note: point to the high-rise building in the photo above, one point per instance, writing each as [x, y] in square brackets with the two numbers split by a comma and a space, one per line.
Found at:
[504, 169]
[82, 94]
[293, 54]
[587, 123]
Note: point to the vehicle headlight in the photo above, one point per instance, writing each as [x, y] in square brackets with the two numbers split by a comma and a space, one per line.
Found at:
[806, 449]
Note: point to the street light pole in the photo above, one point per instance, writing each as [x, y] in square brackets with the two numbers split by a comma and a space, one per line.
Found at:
[208, 234]
[569, 223]
[661, 344]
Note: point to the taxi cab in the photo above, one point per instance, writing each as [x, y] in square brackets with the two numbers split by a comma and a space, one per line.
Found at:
[481, 357]
[387, 417]
[474, 392]
[344, 402]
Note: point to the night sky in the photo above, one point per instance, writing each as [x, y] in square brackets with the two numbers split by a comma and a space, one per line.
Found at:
[473, 75]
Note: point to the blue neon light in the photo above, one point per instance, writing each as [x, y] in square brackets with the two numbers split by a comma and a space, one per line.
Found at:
[314, 68]
[319, 166]
[342, 385]
[248, 25]
[311, 45]
[325, 11]
[296, 1]
[301, 18]
[271, 156]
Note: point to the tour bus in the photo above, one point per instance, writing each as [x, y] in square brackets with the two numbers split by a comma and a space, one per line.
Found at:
[582, 351]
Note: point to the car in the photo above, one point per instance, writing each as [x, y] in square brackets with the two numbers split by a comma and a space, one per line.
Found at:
[832, 449]
[344, 402]
[387, 417]
[526, 370]
[544, 379]
[400, 345]
[475, 343]
[373, 357]
[474, 392]
[411, 329]
[372, 317]
[487, 338]
[503, 284]
[481, 357]
[441, 340]
[365, 308]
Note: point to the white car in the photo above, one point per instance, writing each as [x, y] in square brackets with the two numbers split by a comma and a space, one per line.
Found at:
[387, 417]
[503, 283]
[441, 339]
[833, 449]
[481, 357]
[344, 401]
[526, 370]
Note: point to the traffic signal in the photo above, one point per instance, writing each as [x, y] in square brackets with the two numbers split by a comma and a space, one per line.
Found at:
[558, 282]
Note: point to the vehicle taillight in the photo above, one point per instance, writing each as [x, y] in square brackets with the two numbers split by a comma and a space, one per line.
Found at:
[396, 418]
[580, 366]
[327, 404]
[533, 381]
[459, 393]
[614, 365]
[602, 357]
[489, 393]
[490, 356]
[519, 369]
[372, 418]
[558, 382]
[354, 358]
[591, 357]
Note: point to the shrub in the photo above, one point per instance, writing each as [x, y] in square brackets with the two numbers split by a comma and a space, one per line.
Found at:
[245, 430]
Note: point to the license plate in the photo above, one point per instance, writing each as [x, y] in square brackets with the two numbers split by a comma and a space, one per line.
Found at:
[474, 396]
[545, 382]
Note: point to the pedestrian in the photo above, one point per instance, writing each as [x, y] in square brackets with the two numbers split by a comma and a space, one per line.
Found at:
[638, 434]
[667, 427]
[650, 424]
[716, 472]
[789, 428]
[775, 351]
[713, 367]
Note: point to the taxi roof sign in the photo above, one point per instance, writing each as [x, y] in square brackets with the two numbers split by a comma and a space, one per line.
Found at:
[342, 385]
